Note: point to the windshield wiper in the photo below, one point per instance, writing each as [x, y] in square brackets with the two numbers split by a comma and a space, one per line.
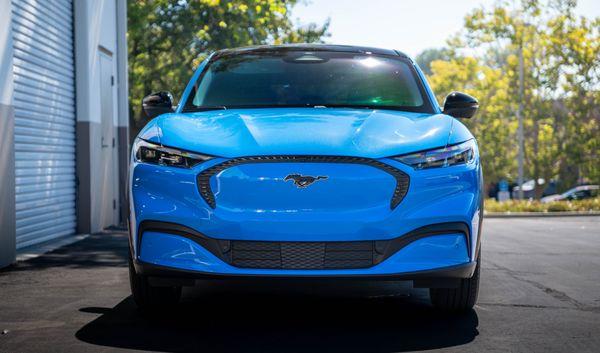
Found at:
[204, 108]
[355, 106]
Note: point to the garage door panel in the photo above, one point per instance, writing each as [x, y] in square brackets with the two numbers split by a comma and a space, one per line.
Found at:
[47, 209]
[35, 131]
[30, 51]
[27, 23]
[25, 164]
[60, 10]
[32, 38]
[28, 117]
[52, 93]
[45, 194]
[37, 13]
[34, 77]
[44, 101]
[46, 234]
[28, 156]
[49, 87]
[38, 205]
[25, 223]
[48, 171]
[31, 225]
[24, 60]
[45, 140]
[36, 67]
[43, 31]
[47, 28]
[45, 179]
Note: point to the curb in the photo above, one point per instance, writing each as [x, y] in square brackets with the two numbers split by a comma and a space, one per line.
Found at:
[539, 214]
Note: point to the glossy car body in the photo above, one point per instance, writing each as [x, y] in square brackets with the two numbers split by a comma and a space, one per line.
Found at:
[186, 222]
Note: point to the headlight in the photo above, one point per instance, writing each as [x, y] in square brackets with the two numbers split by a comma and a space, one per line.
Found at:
[156, 154]
[441, 157]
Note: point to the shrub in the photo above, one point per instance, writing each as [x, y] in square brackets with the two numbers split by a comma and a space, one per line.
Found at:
[491, 205]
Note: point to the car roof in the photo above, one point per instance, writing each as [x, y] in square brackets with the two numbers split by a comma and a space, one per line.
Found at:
[313, 47]
[586, 187]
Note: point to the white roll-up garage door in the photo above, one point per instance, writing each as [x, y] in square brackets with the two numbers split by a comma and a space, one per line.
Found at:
[44, 101]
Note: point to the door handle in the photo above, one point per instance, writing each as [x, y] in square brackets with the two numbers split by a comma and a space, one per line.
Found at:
[102, 143]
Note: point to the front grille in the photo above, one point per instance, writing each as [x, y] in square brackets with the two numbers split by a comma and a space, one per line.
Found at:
[302, 255]
[203, 179]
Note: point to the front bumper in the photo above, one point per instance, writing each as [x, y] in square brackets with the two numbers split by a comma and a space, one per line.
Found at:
[432, 253]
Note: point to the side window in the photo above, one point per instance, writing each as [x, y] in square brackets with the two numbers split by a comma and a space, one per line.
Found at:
[582, 194]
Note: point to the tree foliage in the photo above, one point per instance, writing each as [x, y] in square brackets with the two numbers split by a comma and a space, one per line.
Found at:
[167, 39]
[561, 55]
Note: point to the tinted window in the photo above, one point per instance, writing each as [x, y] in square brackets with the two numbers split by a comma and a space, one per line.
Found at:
[301, 78]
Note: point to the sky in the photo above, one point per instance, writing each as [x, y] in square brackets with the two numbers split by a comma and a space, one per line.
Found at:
[406, 25]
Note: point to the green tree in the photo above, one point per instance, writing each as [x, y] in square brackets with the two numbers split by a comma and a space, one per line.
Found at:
[575, 43]
[167, 39]
[562, 82]
[561, 57]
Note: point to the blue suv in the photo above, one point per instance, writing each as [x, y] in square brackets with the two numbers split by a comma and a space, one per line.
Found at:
[306, 161]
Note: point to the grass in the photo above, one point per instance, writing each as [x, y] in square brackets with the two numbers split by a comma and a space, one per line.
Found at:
[491, 205]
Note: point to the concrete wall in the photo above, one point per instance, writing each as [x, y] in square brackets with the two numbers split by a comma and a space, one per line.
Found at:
[123, 107]
[100, 28]
[7, 151]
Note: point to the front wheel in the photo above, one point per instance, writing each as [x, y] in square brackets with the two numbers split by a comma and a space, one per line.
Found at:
[147, 296]
[459, 299]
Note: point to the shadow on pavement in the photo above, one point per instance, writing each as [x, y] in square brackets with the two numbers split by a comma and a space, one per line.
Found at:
[276, 317]
[106, 249]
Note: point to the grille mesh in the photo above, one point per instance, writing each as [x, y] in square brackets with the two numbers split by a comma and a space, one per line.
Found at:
[302, 255]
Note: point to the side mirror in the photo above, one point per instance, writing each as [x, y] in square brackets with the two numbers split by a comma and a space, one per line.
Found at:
[157, 103]
[460, 105]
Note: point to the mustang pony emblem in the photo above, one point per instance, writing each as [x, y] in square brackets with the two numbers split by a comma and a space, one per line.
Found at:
[303, 181]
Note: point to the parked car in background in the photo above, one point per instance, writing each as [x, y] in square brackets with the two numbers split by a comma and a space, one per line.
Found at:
[576, 193]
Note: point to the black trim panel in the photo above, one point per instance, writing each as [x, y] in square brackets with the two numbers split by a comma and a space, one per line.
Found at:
[383, 248]
[394, 245]
[444, 273]
[210, 244]
[203, 179]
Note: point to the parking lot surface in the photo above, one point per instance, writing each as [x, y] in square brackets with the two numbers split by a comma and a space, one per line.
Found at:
[540, 292]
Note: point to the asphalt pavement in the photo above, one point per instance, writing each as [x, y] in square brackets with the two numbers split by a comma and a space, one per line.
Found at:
[540, 292]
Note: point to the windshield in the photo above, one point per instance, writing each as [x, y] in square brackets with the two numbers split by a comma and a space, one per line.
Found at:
[308, 79]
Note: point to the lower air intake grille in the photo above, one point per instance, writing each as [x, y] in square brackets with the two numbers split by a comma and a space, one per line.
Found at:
[302, 255]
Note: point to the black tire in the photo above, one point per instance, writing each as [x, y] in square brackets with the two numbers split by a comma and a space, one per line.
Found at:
[148, 297]
[460, 299]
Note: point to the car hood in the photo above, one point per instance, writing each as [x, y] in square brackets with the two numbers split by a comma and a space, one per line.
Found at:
[301, 131]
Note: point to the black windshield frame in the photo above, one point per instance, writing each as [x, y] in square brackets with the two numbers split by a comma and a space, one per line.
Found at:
[426, 107]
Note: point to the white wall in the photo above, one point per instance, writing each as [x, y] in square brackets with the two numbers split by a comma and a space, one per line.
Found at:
[99, 30]
[7, 151]
[95, 27]
[6, 53]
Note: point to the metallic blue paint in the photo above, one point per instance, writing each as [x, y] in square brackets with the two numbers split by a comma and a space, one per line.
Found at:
[255, 203]
[309, 131]
[458, 133]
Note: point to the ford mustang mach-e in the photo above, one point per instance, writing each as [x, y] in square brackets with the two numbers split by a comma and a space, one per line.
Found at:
[306, 161]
